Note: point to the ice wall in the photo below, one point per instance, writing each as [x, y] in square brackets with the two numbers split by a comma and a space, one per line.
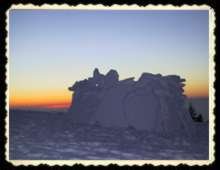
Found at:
[154, 102]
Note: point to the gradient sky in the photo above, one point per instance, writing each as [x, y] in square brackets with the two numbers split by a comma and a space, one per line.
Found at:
[51, 49]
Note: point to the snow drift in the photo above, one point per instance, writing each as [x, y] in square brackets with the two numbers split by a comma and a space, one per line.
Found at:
[153, 103]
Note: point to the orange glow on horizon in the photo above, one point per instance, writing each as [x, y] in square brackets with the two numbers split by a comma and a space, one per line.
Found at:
[62, 99]
[195, 90]
[46, 98]
[50, 105]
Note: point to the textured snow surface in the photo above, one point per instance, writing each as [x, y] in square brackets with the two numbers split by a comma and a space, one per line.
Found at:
[43, 135]
[154, 102]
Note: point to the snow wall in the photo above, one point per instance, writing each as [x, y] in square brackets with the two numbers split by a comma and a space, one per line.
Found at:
[154, 102]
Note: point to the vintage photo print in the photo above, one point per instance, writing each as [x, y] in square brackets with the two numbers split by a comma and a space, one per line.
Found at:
[121, 84]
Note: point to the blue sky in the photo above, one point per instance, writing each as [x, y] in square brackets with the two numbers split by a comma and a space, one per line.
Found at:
[51, 49]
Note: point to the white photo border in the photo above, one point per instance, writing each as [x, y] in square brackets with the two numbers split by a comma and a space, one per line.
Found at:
[123, 162]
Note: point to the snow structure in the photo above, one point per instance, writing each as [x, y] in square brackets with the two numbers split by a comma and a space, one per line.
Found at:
[154, 102]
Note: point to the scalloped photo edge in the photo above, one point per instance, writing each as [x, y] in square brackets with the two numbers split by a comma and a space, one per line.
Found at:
[124, 162]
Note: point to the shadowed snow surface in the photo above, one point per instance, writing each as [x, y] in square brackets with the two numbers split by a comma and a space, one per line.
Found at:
[49, 136]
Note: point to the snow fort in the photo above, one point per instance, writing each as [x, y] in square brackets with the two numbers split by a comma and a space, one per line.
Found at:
[154, 102]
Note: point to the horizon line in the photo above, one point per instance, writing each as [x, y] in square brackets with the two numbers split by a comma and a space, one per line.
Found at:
[67, 104]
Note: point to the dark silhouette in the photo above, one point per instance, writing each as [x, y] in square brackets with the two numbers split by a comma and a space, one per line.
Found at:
[194, 115]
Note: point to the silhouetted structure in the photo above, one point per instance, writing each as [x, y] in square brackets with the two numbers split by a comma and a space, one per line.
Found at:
[153, 102]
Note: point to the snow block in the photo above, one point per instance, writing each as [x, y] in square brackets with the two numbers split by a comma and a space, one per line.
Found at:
[153, 103]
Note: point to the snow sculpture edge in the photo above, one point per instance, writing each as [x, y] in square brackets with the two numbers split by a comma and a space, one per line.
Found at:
[153, 103]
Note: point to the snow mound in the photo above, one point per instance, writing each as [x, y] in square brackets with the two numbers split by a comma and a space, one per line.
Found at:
[153, 103]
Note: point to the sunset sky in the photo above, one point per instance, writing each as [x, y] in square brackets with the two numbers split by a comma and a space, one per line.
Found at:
[51, 49]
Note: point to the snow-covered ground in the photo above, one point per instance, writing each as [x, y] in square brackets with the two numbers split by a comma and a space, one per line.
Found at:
[48, 136]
